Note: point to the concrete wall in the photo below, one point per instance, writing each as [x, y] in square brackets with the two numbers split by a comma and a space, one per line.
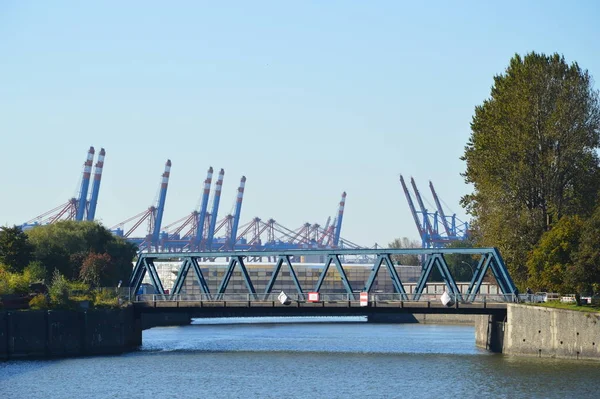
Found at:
[489, 333]
[62, 333]
[545, 332]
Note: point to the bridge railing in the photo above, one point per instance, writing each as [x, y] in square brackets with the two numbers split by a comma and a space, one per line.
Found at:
[327, 297]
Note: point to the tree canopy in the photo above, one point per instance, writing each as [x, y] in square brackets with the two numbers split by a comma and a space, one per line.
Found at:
[555, 255]
[82, 250]
[585, 272]
[531, 156]
[15, 248]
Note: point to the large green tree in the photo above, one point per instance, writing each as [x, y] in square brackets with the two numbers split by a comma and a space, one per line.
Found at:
[553, 258]
[15, 248]
[584, 274]
[531, 156]
[66, 246]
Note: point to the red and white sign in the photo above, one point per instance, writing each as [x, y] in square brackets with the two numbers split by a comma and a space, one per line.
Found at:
[364, 299]
[313, 297]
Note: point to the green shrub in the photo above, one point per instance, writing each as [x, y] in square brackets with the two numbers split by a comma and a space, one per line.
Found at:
[4, 289]
[59, 290]
[39, 302]
[18, 283]
[106, 298]
[35, 271]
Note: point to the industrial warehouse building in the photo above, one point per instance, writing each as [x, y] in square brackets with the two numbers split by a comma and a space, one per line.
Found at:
[308, 275]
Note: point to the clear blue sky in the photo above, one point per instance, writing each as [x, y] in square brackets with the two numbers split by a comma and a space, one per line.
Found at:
[307, 99]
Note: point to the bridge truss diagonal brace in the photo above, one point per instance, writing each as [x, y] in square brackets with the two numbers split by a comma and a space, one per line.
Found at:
[239, 260]
[340, 269]
[154, 276]
[393, 275]
[478, 276]
[494, 262]
[137, 274]
[437, 259]
[145, 265]
[190, 262]
[276, 270]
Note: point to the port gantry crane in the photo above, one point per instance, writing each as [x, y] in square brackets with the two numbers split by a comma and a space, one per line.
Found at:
[80, 208]
[428, 223]
[153, 215]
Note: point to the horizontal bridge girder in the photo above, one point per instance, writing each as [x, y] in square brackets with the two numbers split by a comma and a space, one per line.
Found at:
[325, 252]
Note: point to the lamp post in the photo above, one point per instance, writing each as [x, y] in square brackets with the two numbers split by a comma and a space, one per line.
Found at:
[470, 267]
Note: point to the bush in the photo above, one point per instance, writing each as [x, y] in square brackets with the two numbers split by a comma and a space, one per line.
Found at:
[39, 302]
[4, 290]
[106, 298]
[18, 283]
[59, 290]
[35, 271]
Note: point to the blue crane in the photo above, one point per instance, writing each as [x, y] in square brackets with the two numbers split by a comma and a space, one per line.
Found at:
[202, 215]
[338, 226]
[85, 184]
[215, 210]
[426, 221]
[161, 203]
[413, 211]
[91, 213]
[238, 211]
[449, 231]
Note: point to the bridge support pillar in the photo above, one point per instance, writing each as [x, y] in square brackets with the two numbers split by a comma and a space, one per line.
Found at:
[136, 333]
[489, 333]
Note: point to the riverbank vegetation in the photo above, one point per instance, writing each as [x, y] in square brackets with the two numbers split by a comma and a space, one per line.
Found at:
[533, 163]
[63, 265]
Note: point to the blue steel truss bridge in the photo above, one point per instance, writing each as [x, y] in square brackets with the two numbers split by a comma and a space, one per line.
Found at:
[489, 262]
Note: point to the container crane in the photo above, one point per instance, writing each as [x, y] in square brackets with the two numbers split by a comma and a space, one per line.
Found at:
[426, 220]
[413, 211]
[161, 203]
[153, 215]
[85, 184]
[430, 235]
[447, 227]
[215, 210]
[202, 215]
[91, 213]
[238, 210]
[338, 226]
[74, 208]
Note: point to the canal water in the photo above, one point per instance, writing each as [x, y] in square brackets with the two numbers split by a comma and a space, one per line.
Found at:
[321, 359]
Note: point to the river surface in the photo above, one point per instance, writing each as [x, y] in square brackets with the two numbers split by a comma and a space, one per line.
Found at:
[302, 360]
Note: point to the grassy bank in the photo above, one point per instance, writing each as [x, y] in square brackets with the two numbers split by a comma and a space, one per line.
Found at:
[569, 306]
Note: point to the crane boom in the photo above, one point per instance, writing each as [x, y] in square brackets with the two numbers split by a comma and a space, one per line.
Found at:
[85, 184]
[160, 209]
[413, 210]
[422, 206]
[203, 207]
[96, 185]
[338, 226]
[440, 210]
[215, 209]
[238, 210]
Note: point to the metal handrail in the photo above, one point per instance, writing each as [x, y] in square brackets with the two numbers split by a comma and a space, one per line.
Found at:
[328, 297]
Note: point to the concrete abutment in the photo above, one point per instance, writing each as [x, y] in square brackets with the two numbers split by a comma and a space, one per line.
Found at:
[64, 333]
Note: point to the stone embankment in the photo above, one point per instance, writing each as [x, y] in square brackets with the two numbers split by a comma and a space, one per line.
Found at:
[64, 333]
[542, 332]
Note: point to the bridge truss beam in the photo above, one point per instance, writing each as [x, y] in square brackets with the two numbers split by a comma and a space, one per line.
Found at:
[490, 259]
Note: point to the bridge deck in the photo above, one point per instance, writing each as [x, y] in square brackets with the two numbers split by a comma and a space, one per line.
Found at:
[216, 308]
